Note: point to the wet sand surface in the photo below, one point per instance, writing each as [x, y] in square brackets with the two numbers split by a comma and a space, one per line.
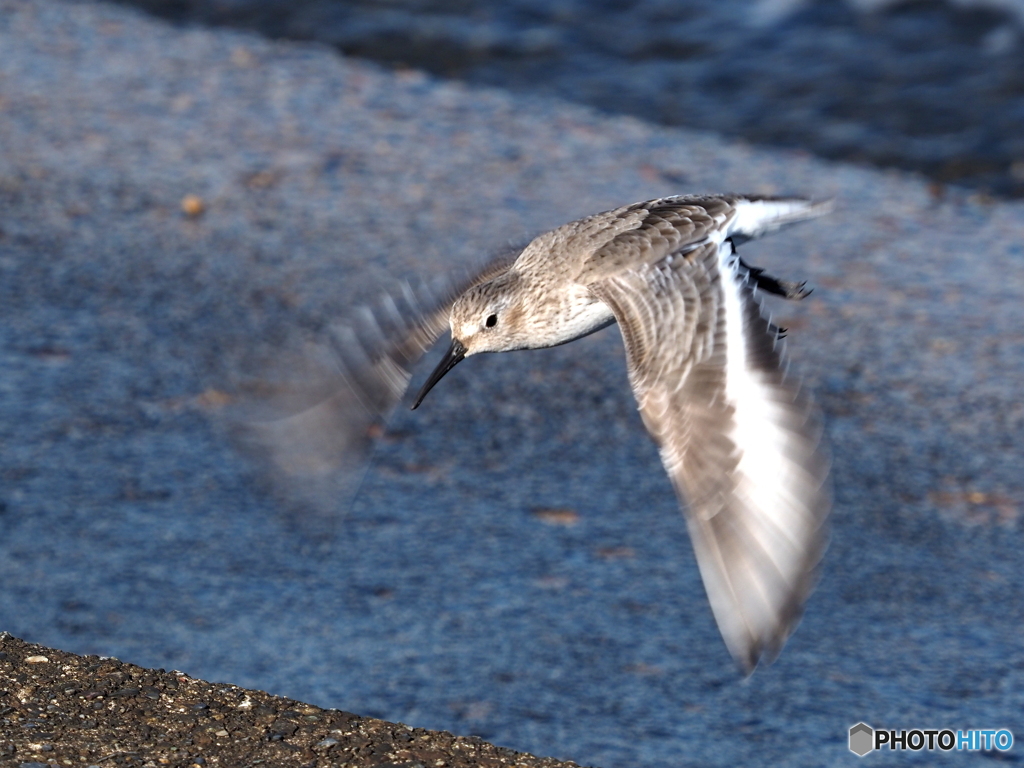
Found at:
[514, 564]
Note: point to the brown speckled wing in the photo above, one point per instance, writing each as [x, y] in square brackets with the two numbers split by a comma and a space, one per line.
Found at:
[739, 439]
[660, 227]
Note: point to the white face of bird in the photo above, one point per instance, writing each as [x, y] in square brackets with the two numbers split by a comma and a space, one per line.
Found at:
[487, 319]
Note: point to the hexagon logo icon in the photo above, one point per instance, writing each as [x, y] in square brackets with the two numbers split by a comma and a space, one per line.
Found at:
[862, 739]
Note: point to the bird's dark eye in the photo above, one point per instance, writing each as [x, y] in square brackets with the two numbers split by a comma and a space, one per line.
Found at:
[491, 321]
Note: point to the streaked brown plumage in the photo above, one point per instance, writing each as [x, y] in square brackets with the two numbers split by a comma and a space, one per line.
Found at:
[739, 438]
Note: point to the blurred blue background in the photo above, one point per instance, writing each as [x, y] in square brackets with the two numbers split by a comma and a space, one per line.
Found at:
[930, 86]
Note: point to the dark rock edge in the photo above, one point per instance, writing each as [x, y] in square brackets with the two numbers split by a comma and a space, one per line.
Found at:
[57, 708]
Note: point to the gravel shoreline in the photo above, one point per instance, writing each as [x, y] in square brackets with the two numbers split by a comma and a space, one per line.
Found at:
[514, 565]
[60, 709]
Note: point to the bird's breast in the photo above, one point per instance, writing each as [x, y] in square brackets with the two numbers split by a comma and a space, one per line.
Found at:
[577, 314]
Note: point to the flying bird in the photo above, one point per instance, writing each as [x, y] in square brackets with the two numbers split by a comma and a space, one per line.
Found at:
[738, 436]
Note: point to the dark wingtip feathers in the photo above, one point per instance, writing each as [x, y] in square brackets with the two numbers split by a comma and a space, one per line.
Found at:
[774, 286]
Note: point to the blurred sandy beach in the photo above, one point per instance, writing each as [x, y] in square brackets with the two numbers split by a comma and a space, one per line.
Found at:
[929, 86]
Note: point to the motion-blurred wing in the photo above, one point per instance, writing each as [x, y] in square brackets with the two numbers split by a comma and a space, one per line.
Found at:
[308, 417]
[740, 441]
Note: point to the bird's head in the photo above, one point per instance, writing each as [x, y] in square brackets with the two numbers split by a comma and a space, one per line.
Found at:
[486, 318]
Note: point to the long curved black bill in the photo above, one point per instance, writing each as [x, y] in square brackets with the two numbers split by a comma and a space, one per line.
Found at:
[451, 358]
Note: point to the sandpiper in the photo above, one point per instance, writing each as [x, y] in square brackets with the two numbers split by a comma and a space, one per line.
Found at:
[739, 438]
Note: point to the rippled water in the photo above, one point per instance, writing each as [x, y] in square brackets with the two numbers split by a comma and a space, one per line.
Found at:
[924, 86]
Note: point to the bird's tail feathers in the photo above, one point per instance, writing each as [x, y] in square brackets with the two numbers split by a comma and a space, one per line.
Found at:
[757, 217]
